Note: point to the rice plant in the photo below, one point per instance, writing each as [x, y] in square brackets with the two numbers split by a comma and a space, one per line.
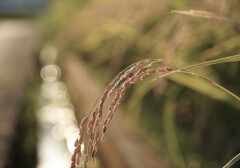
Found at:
[108, 40]
[96, 123]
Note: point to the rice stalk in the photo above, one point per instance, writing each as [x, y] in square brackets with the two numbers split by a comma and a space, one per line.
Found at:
[95, 127]
[93, 122]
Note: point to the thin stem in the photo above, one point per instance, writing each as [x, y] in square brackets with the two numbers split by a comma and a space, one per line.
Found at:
[232, 161]
[232, 58]
[186, 69]
[212, 82]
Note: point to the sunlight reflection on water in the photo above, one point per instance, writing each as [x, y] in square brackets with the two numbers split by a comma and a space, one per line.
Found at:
[57, 124]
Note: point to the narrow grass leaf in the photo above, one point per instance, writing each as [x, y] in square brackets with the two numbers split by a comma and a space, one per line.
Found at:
[233, 58]
[204, 87]
[232, 161]
[204, 14]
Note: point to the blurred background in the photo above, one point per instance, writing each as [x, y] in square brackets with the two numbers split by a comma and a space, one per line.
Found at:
[56, 57]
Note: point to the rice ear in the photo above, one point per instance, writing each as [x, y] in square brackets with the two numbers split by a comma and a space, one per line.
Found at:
[115, 92]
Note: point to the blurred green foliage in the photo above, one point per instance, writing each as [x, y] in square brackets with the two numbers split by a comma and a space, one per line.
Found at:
[192, 122]
[24, 145]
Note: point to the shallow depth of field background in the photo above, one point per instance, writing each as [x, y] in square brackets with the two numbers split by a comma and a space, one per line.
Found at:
[190, 122]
